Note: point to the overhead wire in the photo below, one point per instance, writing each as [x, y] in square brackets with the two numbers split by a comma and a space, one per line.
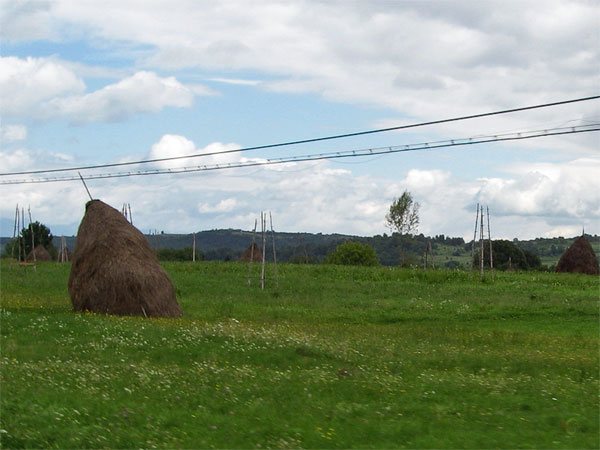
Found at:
[306, 141]
[330, 155]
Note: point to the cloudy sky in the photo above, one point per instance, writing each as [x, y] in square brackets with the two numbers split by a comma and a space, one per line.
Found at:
[88, 82]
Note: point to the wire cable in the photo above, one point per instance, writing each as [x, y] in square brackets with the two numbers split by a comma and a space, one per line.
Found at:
[306, 141]
[331, 155]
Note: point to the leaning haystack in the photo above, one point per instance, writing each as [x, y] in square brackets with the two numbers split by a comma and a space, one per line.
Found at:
[579, 258]
[253, 253]
[114, 271]
[39, 253]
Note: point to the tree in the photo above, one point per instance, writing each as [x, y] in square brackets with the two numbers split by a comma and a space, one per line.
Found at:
[403, 217]
[41, 235]
[507, 254]
[352, 254]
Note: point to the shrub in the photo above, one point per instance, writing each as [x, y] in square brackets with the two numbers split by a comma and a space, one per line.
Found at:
[353, 254]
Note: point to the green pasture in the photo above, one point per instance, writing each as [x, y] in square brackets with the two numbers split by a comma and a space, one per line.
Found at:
[348, 357]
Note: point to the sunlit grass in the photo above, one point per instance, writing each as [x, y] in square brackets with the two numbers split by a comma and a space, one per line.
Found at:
[332, 357]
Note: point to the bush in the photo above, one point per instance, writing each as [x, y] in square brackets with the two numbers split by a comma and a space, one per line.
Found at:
[353, 254]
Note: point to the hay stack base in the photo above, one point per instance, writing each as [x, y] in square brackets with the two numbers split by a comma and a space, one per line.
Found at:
[39, 253]
[579, 258]
[114, 271]
[253, 252]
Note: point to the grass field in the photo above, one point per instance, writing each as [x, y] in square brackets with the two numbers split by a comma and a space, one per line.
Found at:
[332, 357]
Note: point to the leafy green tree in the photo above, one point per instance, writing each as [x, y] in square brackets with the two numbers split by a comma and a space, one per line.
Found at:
[41, 235]
[507, 254]
[352, 253]
[403, 217]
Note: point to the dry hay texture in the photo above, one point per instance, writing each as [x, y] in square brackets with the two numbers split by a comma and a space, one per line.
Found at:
[114, 271]
[41, 254]
[579, 258]
[255, 254]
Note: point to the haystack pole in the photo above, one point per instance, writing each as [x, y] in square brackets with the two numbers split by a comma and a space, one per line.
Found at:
[263, 220]
[194, 248]
[428, 251]
[481, 246]
[85, 186]
[474, 237]
[490, 241]
[63, 256]
[12, 253]
[274, 252]
[23, 237]
[251, 254]
[31, 231]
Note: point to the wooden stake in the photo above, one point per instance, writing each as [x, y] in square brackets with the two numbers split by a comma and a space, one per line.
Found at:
[31, 231]
[85, 186]
[274, 253]
[194, 248]
[19, 233]
[474, 238]
[251, 254]
[481, 246]
[490, 239]
[12, 252]
[263, 219]
[63, 256]
[23, 237]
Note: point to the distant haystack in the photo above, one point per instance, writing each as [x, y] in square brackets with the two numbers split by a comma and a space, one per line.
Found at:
[114, 271]
[579, 258]
[41, 254]
[254, 252]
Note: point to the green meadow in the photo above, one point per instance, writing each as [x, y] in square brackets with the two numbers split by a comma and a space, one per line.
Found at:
[331, 356]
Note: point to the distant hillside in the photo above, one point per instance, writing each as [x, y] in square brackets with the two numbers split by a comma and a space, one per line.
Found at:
[228, 245]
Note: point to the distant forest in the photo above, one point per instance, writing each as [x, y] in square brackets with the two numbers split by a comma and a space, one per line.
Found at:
[392, 250]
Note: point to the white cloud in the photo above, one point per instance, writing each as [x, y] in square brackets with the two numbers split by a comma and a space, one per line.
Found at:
[12, 133]
[22, 159]
[430, 58]
[175, 146]
[236, 81]
[26, 83]
[569, 190]
[143, 92]
[26, 20]
[225, 205]
[15, 160]
[44, 88]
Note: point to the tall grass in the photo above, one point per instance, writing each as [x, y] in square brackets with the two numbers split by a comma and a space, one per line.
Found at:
[331, 357]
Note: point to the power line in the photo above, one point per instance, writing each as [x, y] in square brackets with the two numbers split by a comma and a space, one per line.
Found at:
[332, 155]
[306, 141]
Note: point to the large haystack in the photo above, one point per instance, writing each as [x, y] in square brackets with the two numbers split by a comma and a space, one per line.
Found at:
[41, 254]
[114, 271]
[254, 252]
[579, 258]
